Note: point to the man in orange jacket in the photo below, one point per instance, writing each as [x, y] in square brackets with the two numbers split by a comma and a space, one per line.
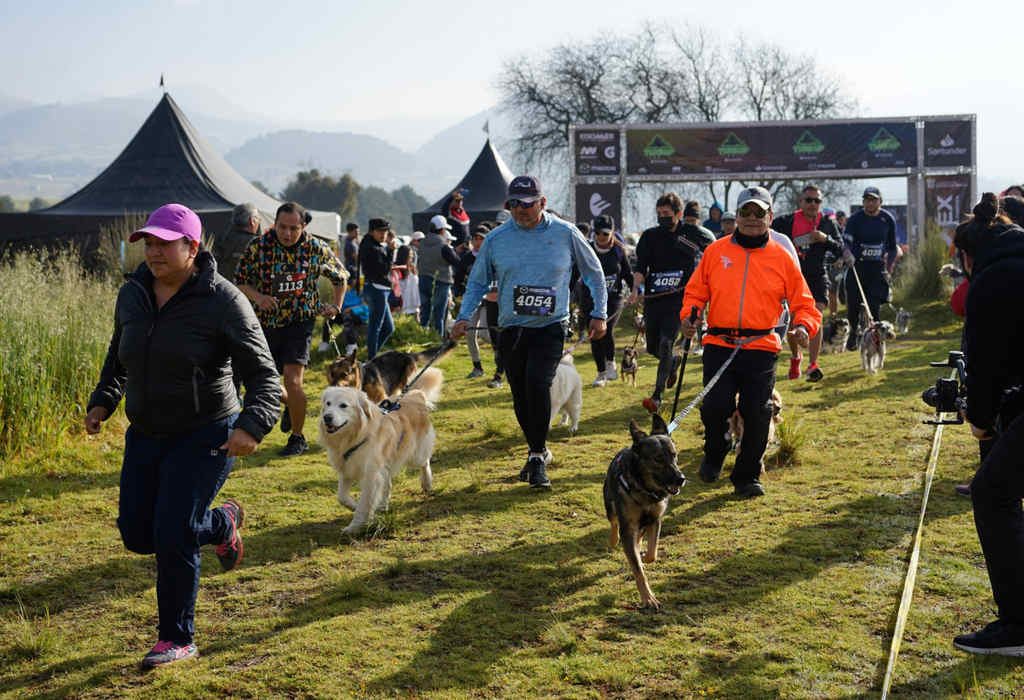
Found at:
[743, 279]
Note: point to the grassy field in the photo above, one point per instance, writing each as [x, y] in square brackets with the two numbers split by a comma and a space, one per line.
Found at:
[488, 589]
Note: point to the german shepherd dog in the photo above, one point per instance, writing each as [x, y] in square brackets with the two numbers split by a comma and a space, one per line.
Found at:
[636, 491]
[385, 375]
[629, 365]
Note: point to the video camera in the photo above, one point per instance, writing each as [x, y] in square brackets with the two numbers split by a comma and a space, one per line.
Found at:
[949, 395]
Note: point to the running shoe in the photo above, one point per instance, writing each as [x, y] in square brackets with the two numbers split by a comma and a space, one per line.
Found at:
[794, 367]
[478, 371]
[814, 373]
[230, 551]
[996, 638]
[164, 652]
[296, 445]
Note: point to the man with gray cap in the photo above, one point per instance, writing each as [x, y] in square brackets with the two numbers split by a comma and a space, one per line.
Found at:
[870, 240]
[531, 258]
[741, 282]
[228, 247]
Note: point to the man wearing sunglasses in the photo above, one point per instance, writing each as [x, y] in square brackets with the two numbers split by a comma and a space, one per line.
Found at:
[815, 236]
[665, 258]
[741, 281]
[870, 249]
[531, 258]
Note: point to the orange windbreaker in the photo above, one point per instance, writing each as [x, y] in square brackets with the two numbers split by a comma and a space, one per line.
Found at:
[746, 287]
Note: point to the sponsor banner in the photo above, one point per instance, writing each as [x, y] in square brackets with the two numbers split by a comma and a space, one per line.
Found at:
[592, 200]
[947, 201]
[948, 143]
[899, 214]
[767, 148]
[596, 152]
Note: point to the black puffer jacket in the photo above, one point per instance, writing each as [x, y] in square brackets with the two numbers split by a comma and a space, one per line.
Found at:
[175, 364]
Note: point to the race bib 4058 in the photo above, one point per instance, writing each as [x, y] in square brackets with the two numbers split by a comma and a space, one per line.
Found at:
[665, 281]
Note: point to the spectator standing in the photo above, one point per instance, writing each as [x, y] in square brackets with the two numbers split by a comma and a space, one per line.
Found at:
[279, 273]
[376, 260]
[728, 224]
[229, 247]
[870, 249]
[991, 249]
[815, 237]
[458, 218]
[350, 250]
[180, 332]
[407, 256]
[436, 258]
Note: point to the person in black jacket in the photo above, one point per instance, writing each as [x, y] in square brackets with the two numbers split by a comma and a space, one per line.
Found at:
[871, 253]
[180, 330]
[992, 253]
[617, 276]
[815, 236]
[375, 258]
[666, 256]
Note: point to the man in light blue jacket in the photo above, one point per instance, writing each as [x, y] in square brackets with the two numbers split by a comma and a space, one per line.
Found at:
[531, 258]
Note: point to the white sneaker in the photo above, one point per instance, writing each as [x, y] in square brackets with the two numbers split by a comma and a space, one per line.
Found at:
[611, 372]
[600, 380]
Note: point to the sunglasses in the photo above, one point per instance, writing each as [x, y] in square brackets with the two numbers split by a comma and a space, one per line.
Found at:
[753, 212]
[513, 203]
[812, 200]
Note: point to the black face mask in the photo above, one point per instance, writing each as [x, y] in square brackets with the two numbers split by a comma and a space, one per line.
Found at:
[666, 222]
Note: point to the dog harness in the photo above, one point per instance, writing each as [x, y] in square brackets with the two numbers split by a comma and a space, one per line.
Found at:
[350, 451]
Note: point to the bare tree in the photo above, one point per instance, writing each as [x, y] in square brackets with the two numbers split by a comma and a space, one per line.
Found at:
[775, 84]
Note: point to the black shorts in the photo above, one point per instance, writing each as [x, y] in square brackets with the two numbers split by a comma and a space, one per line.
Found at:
[819, 289]
[289, 345]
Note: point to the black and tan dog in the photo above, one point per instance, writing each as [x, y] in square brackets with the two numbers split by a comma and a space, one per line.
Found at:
[629, 365]
[636, 491]
[386, 374]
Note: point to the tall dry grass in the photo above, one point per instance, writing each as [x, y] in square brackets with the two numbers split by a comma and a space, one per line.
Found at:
[55, 324]
[918, 279]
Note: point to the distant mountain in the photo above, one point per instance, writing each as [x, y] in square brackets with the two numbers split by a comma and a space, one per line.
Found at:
[451, 151]
[274, 158]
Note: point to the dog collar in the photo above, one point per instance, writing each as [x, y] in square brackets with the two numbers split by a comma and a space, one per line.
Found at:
[348, 453]
[629, 490]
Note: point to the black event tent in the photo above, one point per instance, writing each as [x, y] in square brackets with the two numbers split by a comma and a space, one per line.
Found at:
[166, 161]
[484, 190]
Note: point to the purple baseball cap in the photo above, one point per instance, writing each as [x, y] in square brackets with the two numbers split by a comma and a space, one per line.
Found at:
[525, 188]
[171, 222]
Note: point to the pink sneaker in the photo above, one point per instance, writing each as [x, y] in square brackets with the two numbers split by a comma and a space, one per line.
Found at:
[164, 653]
[230, 552]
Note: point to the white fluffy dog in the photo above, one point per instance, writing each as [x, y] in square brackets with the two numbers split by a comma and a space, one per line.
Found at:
[567, 394]
[368, 446]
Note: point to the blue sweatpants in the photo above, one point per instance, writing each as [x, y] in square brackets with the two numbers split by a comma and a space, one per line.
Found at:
[167, 486]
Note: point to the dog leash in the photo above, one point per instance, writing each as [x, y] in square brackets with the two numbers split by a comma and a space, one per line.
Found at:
[682, 363]
[445, 347]
[676, 420]
[863, 296]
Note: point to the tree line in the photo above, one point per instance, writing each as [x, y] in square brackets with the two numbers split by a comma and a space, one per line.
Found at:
[663, 74]
[352, 201]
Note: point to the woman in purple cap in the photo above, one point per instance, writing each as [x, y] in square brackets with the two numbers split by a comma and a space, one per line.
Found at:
[180, 329]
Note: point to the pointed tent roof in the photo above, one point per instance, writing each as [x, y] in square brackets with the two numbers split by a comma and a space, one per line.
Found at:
[485, 184]
[168, 161]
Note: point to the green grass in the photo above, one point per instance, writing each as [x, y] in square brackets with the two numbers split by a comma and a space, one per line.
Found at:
[487, 589]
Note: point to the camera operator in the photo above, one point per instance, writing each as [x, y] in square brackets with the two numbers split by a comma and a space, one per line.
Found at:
[991, 249]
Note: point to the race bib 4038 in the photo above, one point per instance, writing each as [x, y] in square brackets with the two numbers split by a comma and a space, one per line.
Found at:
[533, 301]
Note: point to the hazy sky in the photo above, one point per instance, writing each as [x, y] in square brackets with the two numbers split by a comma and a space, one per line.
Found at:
[389, 58]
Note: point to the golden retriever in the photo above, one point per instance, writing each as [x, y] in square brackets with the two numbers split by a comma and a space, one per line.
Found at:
[366, 445]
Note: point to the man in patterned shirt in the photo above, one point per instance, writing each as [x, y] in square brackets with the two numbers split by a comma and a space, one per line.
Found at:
[279, 272]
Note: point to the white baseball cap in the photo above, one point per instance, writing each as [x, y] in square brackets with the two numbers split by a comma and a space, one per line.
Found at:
[417, 235]
[439, 223]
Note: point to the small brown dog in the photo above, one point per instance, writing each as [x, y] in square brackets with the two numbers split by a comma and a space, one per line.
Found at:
[636, 491]
[385, 375]
[629, 365]
[736, 422]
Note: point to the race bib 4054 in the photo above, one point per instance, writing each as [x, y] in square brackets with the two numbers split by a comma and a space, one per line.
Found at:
[533, 301]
